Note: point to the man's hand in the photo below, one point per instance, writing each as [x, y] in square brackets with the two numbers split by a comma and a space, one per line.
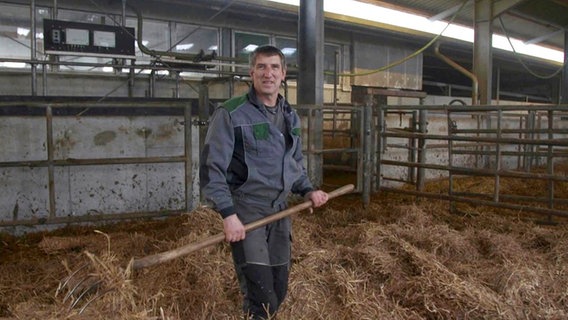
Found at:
[318, 198]
[233, 228]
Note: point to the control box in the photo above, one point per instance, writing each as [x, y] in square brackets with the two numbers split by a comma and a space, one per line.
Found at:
[77, 38]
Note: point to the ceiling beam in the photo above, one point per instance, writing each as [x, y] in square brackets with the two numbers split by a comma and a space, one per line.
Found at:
[501, 6]
[447, 13]
[544, 37]
[498, 8]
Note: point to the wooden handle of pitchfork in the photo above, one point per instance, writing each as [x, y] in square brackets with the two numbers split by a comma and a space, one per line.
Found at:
[158, 258]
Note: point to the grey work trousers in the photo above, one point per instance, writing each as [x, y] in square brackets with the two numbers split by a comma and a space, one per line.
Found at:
[262, 261]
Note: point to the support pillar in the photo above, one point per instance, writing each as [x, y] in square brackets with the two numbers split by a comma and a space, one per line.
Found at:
[310, 79]
[482, 49]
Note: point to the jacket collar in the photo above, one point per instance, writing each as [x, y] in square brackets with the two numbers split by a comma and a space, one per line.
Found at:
[252, 97]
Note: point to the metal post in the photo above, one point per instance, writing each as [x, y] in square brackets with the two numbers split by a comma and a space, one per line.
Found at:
[191, 152]
[203, 112]
[378, 145]
[123, 13]
[33, 47]
[367, 155]
[131, 79]
[44, 78]
[411, 176]
[451, 127]
[123, 22]
[522, 124]
[357, 125]
[176, 91]
[55, 11]
[550, 162]
[152, 84]
[53, 57]
[422, 128]
[529, 149]
[496, 186]
[335, 78]
[50, 158]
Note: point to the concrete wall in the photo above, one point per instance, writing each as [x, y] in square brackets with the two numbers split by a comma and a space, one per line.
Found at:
[91, 189]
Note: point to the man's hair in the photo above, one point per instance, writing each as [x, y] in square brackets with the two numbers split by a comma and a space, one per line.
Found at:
[267, 50]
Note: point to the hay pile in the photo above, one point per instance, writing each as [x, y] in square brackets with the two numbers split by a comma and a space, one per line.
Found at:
[396, 259]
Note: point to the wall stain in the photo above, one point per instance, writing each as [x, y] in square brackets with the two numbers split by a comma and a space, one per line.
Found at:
[104, 138]
[144, 132]
[165, 132]
[15, 211]
[66, 142]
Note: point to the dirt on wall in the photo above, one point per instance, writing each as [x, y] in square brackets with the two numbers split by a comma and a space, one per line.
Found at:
[398, 258]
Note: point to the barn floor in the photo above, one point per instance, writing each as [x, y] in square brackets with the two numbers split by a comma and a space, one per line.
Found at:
[399, 258]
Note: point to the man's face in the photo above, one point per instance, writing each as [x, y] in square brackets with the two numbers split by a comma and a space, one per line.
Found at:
[267, 75]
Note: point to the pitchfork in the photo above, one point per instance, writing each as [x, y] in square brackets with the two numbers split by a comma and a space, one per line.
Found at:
[80, 288]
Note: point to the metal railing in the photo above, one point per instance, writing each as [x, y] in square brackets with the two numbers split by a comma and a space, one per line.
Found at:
[388, 148]
[519, 143]
[341, 142]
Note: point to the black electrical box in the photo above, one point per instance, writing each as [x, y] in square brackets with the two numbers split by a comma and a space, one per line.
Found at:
[77, 38]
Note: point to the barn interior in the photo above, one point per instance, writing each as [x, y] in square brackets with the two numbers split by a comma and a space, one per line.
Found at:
[451, 129]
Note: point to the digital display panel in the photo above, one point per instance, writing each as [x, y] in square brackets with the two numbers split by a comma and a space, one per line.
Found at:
[104, 39]
[77, 37]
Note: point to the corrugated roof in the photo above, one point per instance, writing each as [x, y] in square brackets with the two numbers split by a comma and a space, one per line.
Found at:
[538, 21]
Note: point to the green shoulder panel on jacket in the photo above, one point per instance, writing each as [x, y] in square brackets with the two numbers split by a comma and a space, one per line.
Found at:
[234, 103]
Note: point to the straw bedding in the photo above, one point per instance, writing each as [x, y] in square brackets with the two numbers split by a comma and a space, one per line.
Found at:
[398, 258]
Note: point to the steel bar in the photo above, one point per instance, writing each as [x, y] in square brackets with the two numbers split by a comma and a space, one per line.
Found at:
[478, 202]
[479, 172]
[513, 198]
[87, 162]
[557, 142]
[61, 220]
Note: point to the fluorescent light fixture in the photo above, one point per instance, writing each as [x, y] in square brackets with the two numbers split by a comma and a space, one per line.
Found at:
[23, 31]
[288, 51]
[213, 47]
[183, 47]
[534, 50]
[410, 21]
[18, 65]
[250, 48]
[136, 71]
[108, 69]
[292, 2]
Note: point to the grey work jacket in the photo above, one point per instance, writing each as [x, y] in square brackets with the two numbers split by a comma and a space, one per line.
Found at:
[245, 155]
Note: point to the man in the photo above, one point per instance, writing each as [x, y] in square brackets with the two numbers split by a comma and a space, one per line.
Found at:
[251, 162]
